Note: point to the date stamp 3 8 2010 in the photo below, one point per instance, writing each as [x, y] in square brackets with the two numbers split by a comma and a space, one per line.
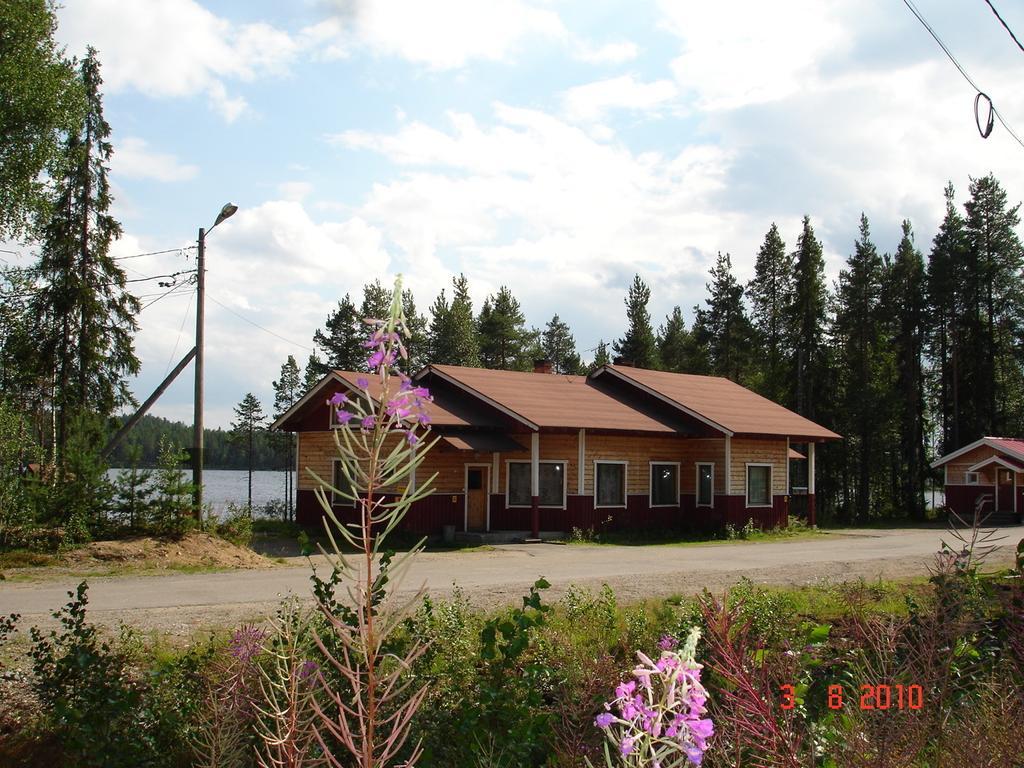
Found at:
[872, 697]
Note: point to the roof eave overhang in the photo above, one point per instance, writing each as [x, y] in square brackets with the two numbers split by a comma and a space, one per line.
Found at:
[654, 393]
[479, 395]
[995, 460]
[300, 404]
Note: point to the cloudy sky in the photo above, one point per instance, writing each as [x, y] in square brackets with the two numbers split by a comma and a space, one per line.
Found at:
[554, 147]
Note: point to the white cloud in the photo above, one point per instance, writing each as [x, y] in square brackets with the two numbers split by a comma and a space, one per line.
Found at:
[446, 34]
[591, 102]
[609, 53]
[295, 191]
[753, 53]
[175, 48]
[134, 159]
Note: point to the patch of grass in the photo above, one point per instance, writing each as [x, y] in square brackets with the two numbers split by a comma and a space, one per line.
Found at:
[25, 558]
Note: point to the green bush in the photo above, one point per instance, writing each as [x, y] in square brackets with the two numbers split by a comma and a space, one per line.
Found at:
[236, 525]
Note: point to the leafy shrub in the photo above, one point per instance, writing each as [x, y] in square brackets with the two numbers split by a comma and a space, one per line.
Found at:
[236, 525]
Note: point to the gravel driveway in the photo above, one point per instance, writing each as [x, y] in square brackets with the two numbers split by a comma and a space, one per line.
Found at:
[183, 603]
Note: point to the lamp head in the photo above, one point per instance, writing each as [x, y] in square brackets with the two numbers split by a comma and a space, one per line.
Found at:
[225, 213]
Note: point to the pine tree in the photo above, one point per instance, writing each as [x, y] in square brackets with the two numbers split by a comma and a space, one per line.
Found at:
[171, 509]
[341, 340]
[859, 337]
[638, 345]
[560, 348]
[86, 315]
[249, 421]
[723, 328]
[532, 349]
[286, 393]
[771, 294]
[132, 490]
[906, 305]
[501, 332]
[376, 301]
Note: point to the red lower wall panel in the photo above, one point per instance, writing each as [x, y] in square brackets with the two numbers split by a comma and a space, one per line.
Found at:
[962, 498]
[429, 515]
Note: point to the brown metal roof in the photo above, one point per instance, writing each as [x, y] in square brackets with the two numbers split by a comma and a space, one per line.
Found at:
[439, 415]
[723, 403]
[549, 400]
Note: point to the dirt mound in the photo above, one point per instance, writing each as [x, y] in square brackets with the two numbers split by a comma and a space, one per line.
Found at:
[192, 549]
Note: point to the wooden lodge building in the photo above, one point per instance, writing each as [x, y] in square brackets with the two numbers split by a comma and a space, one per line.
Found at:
[522, 451]
[990, 469]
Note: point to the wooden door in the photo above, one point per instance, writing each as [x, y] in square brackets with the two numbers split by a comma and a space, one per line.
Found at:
[476, 498]
[1004, 490]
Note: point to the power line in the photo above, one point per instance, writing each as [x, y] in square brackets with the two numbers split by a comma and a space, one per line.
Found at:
[181, 329]
[265, 330]
[166, 293]
[952, 58]
[1005, 25]
[155, 253]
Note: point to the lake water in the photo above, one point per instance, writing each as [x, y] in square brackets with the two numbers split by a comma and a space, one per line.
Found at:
[221, 486]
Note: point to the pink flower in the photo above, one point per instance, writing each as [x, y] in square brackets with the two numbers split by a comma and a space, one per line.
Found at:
[344, 417]
[604, 719]
[338, 398]
[367, 422]
[363, 383]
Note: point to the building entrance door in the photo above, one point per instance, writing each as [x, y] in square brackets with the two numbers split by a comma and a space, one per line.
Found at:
[1004, 490]
[477, 483]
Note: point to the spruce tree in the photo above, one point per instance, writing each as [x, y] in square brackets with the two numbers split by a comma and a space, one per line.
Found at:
[501, 332]
[341, 340]
[946, 317]
[677, 349]
[452, 329]
[995, 308]
[417, 345]
[560, 347]
[249, 420]
[907, 306]
[771, 294]
[86, 314]
[601, 357]
[807, 322]
[723, 327]
[859, 337]
[287, 391]
[638, 345]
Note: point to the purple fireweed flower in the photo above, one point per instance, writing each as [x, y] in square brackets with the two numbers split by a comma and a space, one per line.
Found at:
[246, 643]
[338, 398]
[411, 437]
[626, 745]
[363, 383]
[604, 719]
[375, 359]
[307, 669]
[623, 690]
[344, 417]
[367, 422]
[668, 643]
[423, 418]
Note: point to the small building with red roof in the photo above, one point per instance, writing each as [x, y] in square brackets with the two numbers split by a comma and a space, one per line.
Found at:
[989, 472]
[623, 447]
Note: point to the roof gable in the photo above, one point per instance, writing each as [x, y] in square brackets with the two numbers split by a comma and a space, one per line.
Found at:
[721, 403]
[1012, 446]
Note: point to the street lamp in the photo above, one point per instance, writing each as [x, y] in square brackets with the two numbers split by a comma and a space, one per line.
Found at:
[197, 438]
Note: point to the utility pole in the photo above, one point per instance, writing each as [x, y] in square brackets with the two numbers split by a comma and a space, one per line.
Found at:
[197, 438]
[197, 420]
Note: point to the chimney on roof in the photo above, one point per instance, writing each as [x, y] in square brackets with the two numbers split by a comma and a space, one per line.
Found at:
[542, 366]
[623, 362]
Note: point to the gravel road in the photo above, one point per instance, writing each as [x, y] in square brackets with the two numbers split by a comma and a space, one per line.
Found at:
[181, 604]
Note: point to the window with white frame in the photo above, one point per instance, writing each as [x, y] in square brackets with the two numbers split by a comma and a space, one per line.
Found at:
[339, 481]
[972, 478]
[609, 483]
[759, 485]
[551, 476]
[664, 484]
[705, 484]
